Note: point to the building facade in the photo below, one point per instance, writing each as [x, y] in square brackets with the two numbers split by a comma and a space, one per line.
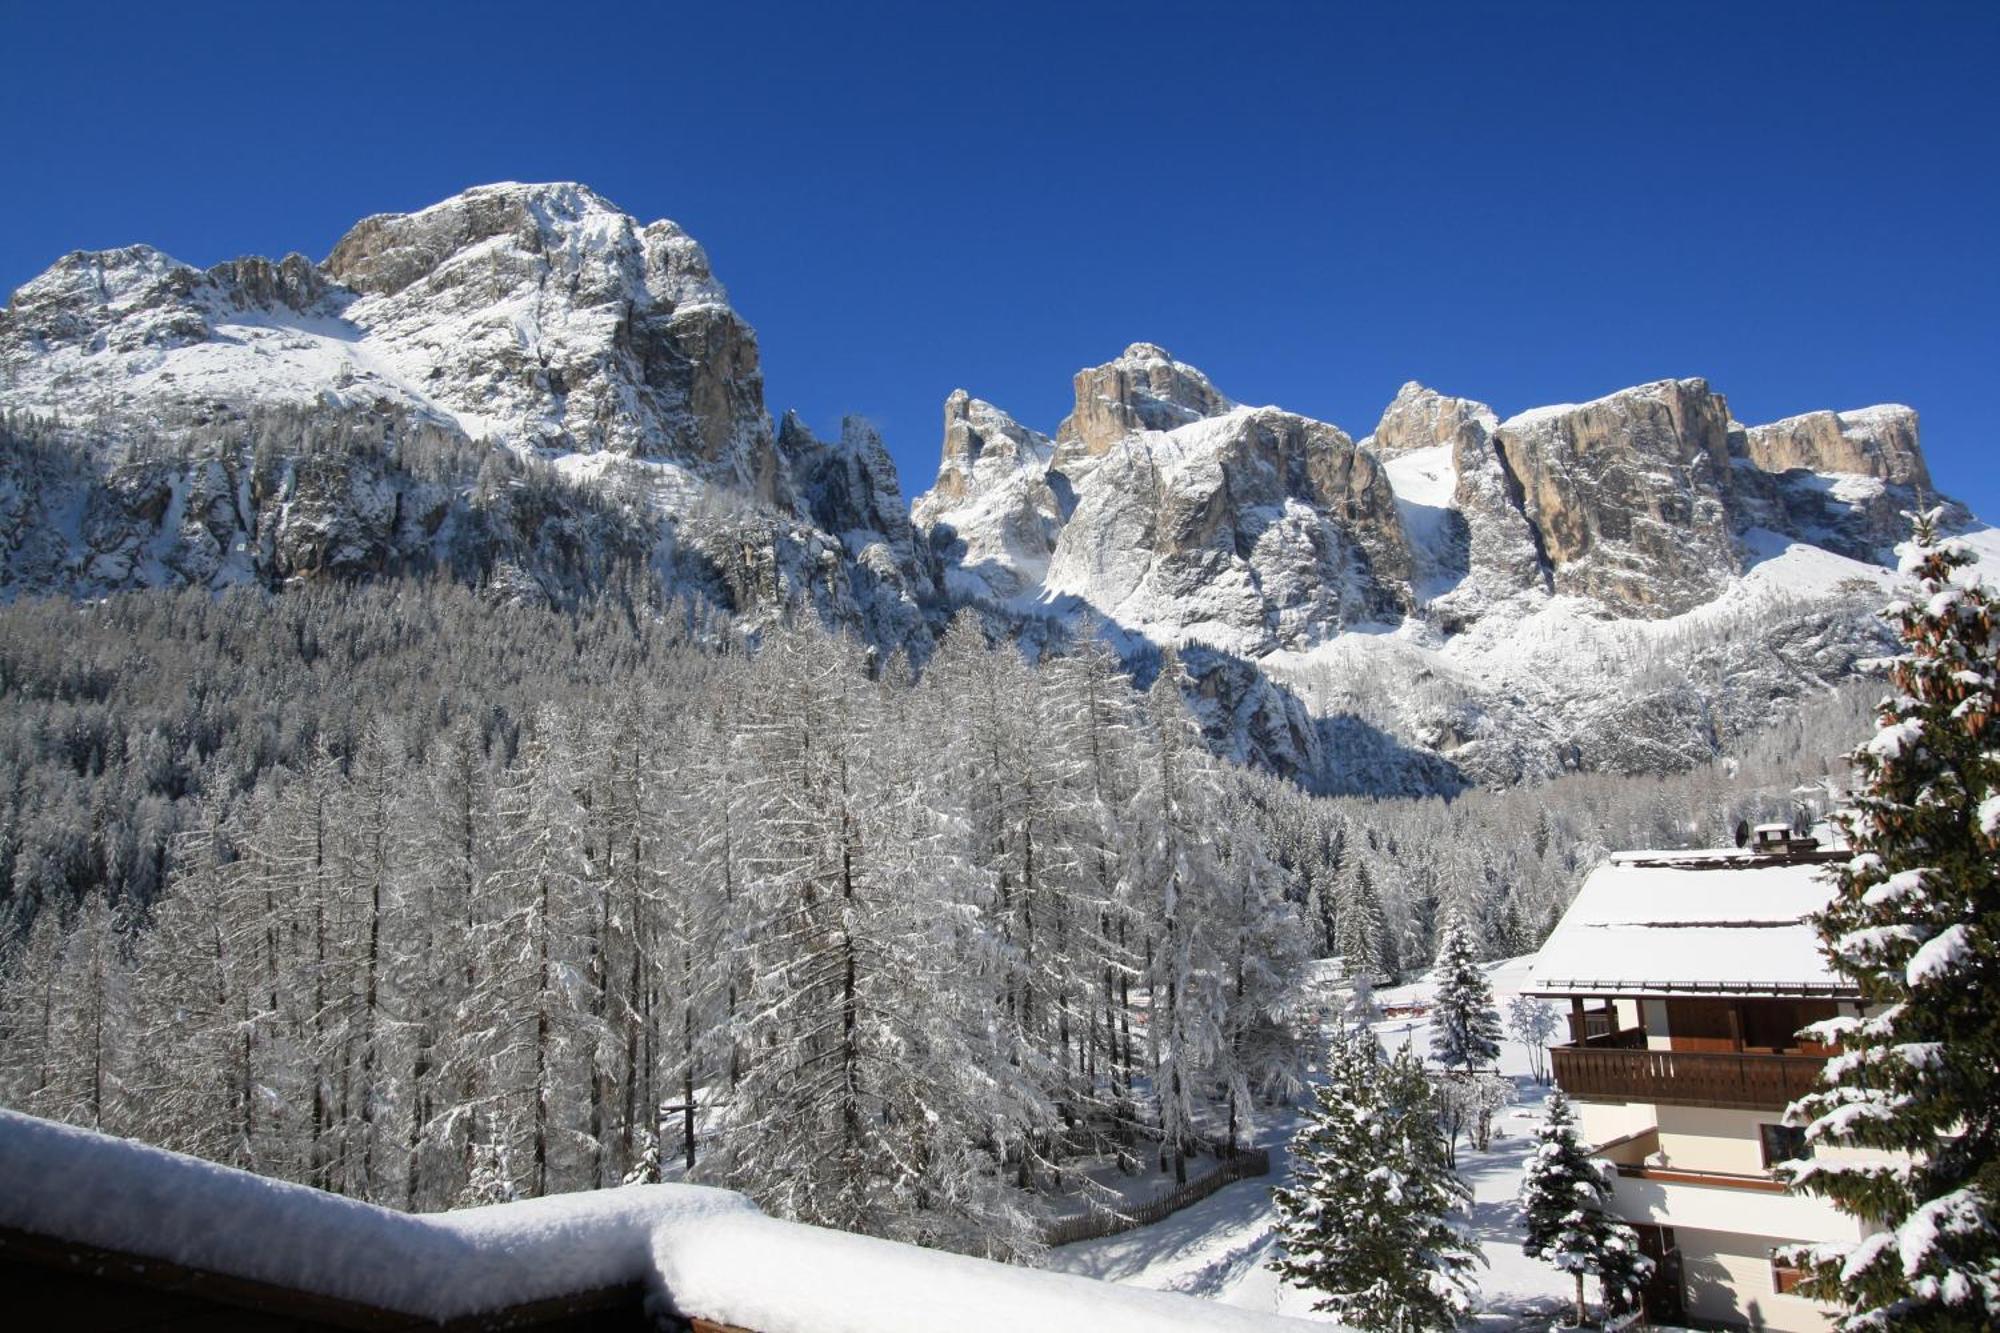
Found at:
[1688, 976]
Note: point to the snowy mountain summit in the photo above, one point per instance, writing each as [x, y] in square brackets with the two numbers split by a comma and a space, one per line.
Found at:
[526, 388]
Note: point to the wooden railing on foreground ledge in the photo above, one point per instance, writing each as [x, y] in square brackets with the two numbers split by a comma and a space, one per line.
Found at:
[1730, 1079]
[1102, 1221]
[105, 1235]
[55, 1283]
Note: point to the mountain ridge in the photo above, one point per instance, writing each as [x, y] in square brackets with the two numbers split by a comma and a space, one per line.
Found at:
[528, 388]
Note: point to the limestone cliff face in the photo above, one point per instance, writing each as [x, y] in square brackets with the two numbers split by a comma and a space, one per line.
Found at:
[1473, 546]
[549, 315]
[1879, 442]
[1629, 495]
[1421, 418]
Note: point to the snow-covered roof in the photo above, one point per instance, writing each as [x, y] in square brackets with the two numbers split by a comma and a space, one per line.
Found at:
[1677, 923]
[709, 1251]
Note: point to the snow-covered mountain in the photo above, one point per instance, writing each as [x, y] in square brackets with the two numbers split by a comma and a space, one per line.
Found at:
[528, 388]
[521, 383]
[1618, 584]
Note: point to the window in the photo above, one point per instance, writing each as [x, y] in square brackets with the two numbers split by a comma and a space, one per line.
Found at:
[1783, 1143]
[1784, 1276]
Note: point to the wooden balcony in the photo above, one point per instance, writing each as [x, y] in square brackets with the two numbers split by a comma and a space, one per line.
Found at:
[1741, 1080]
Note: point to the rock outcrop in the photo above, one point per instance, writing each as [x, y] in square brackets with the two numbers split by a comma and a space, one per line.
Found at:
[1473, 546]
[1879, 442]
[1421, 418]
[1628, 496]
[991, 517]
[1171, 513]
[1144, 389]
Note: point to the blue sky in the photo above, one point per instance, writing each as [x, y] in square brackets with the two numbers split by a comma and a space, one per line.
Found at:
[1525, 203]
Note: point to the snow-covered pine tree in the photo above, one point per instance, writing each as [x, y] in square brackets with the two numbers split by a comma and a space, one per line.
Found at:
[1361, 1009]
[1176, 879]
[645, 1168]
[1915, 923]
[1366, 1218]
[1465, 1027]
[444, 968]
[1563, 1193]
[1361, 926]
[546, 884]
[1264, 946]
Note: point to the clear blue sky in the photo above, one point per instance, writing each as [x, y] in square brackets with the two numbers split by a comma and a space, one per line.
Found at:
[1524, 203]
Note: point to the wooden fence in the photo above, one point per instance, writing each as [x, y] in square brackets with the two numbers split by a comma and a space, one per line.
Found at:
[1103, 1221]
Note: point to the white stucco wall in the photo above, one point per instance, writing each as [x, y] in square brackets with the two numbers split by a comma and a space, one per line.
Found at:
[1726, 1277]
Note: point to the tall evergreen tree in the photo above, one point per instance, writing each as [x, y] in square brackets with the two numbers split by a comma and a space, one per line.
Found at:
[1465, 1027]
[1366, 1218]
[1915, 924]
[1361, 926]
[1563, 1193]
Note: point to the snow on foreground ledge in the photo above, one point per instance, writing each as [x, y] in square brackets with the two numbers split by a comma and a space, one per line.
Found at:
[710, 1251]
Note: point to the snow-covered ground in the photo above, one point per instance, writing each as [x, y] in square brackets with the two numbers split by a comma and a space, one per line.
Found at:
[1218, 1248]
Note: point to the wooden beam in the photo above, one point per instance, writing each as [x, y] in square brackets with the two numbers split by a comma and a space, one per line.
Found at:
[146, 1284]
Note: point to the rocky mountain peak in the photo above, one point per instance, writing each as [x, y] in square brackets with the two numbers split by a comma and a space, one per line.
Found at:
[982, 444]
[545, 314]
[587, 242]
[88, 293]
[1420, 418]
[1143, 389]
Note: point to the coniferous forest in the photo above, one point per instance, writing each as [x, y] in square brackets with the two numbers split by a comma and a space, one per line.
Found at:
[425, 899]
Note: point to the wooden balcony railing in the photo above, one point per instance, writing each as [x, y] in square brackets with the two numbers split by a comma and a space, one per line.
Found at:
[1686, 1078]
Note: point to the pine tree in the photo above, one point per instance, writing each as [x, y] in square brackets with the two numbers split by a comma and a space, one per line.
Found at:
[1175, 883]
[1915, 924]
[1366, 1218]
[1563, 1193]
[1465, 1027]
[1361, 926]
